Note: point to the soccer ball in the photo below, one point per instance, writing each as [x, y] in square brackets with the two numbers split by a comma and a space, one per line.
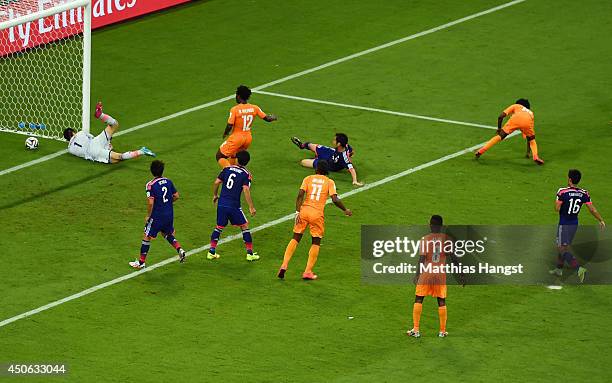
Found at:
[31, 143]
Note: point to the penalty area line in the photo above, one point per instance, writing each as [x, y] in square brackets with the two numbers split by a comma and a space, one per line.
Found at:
[287, 78]
[264, 226]
[369, 109]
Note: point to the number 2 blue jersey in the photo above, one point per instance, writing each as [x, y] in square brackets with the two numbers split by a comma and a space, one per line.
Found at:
[572, 199]
[161, 190]
[233, 178]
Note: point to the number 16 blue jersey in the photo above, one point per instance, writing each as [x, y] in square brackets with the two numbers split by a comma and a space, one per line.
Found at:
[572, 199]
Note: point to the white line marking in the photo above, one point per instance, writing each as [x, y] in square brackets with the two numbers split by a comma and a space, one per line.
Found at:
[275, 222]
[291, 77]
[366, 108]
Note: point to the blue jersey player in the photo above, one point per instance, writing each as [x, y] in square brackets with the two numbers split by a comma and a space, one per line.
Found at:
[569, 202]
[161, 194]
[338, 157]
[233, 180]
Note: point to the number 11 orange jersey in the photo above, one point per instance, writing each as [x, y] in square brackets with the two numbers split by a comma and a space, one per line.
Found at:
[317, 188]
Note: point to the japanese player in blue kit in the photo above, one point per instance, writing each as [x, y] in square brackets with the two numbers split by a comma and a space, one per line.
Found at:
[569, 202]
[233, 180]
[161, 195]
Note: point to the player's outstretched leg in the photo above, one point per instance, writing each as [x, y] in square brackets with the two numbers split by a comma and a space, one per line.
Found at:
[291, 246]
[177, 246]
[313, 254]
[248, 244]
[144, 250]
[214, 240]
[118, 157]
[493, 141]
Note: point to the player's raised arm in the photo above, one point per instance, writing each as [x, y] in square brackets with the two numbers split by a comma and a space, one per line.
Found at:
[596, 214]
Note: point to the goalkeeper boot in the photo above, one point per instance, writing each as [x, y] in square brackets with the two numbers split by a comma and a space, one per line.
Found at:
[252, 257]
[581, 272]
[442, 334]
[413, 333]
[212, 255]
[147, 152]
[297, 142]
[98, 109]
[182, 255]
[137, 265]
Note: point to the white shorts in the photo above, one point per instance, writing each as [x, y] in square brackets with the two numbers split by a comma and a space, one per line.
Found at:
[100, 148]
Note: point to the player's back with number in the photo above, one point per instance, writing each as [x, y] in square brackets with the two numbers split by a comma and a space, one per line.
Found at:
[318, 188]
[571, 199]
[242, 116]
[233, 179]
[161, 190]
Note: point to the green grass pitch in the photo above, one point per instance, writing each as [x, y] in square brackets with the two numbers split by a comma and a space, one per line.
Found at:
[70, 224]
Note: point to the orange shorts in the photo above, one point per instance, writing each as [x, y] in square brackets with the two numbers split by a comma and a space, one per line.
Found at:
[525, 129]
[235, 143]
[438, 291]
[312, 218]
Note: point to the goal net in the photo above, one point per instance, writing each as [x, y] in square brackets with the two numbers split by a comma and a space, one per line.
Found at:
[45, 50]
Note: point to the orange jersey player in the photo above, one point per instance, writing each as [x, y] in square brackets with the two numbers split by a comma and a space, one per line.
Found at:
[239, 123]
[430, 277]
[521, 118]
[309, 207]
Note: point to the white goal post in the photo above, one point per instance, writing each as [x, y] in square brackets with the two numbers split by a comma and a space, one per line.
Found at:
[45, 66]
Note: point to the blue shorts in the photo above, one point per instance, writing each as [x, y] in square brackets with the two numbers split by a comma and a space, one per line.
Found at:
[155, 225]
[565, 234]
[234, 215]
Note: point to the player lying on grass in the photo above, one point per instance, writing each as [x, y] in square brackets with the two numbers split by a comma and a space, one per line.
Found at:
[432, 283]
[338, 156]
[521, 118]
[309, 212]
[239, 124]
[569, 202]
[99, 148]
[233, 180]
[161, 195]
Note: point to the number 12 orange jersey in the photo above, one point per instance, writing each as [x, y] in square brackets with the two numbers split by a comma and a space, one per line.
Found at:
[241, 117]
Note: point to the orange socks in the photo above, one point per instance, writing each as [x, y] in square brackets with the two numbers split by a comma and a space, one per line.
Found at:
[489, 144]
[416, 315]
[313, 254]
[534, 149]
[289, 253]
[442, 314]
[223, 162]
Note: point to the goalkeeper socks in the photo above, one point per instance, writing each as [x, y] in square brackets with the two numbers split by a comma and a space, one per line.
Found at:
[248, 241]
[416, 315]
[144, 250]
[289, 253]
[313, 254]
[107, 119]
[442, 314]
[130, 155]
[489, 144]
[214, 238]
[173, 242]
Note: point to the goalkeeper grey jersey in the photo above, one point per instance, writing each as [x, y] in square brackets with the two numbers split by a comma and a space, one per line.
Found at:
[79, 145]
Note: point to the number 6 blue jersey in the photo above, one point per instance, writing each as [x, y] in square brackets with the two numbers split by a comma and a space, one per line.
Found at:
[161, 191]
[571, 199]
[233, 178]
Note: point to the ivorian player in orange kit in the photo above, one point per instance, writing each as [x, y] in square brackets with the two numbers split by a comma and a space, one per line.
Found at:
[309, 212]
[521, 118]
[239, 123]
[432, 283]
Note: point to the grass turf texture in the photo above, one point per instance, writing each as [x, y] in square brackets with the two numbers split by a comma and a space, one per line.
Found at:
[71, 224]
